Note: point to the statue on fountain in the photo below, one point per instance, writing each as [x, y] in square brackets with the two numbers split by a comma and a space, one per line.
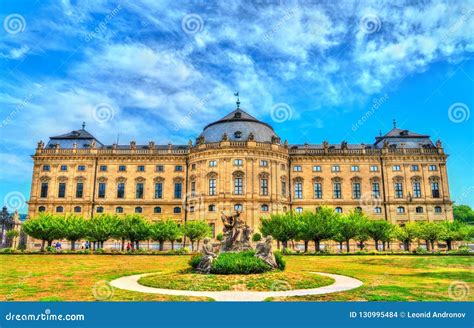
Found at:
[236, 234]
[208, 256]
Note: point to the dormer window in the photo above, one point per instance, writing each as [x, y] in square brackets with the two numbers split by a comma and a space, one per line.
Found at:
[237, 134]
[238, 115]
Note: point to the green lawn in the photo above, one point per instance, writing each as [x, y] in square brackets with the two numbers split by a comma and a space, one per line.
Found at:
[385, 278]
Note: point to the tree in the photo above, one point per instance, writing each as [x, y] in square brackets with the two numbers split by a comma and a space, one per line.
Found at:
[45, 226]
[101, 228]
[463, 213]
[347, 226]
[282, 227]
[196, 230]
[453, 231]
[362, 235]
[406, 234]
[75, 228]
[430, 232]
[321, 225]
[135, 228]
[174, 232]
[11, 235]
[304, 232]
[379, 230]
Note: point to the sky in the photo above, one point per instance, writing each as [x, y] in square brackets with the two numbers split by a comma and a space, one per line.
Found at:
[162, 70]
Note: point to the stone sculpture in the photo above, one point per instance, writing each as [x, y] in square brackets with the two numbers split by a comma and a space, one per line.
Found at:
[264, 251]
[208, 256]
[236, 234]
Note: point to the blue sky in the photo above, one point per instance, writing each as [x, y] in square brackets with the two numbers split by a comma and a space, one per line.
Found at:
[161, 70]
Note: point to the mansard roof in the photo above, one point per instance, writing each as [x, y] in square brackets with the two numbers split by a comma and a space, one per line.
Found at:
[403, 138]
[82, 138]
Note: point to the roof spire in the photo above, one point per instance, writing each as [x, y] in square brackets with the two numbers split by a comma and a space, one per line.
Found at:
[238, 99]
[394, 123]
[380, 133]
[83, 125]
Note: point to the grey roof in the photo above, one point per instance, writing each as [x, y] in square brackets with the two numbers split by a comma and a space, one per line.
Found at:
[238, 125]
[404, 138]
[331, 146]
[81, 138]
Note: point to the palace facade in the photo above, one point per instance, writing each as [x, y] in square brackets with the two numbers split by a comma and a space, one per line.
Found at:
[240, 163]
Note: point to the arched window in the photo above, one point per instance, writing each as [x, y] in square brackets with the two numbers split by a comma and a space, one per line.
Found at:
[238, 207]
[177, 210]
[285, 209]
[119, 209]
[299, 210]
[264, 208]
[338, 209]
[77, 209]
[438, 209]
[41, 209]
[358, 209]
[400, 209]
[377, 210]
[212, 208]
[157, 209]
[138, 209]
[419, 209]
[99, 209]
[59, 209]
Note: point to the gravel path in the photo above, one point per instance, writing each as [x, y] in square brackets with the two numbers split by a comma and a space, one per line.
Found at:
[341, 283]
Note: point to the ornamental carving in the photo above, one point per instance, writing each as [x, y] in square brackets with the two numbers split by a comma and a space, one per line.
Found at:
[318, 179]
[45, 178]
[121, 179]
[415, 178]
[158, 179]
[62, 178]
[102, 179]
[398, 178]
[238, 174]
[434, 178]
[80, 179]
[140, 179]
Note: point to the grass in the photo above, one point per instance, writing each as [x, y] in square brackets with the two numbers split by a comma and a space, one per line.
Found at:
[276, 280]
[391, 278]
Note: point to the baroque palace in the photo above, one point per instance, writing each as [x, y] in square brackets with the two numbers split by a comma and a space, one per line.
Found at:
[239, 163]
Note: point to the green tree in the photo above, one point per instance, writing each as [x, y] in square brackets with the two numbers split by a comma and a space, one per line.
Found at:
[75, 228]
[101, 228]
[321, 225]
[46, 227]
[406, 234]
[346, 226]
[174, 232]
[11, 235]
[282, 227]
[430, 232]
[453, 231]
[196, 230]
[304, 232]
[135, 228]
[362, 235]
[463, 213]
[379, 230]
[256, 237]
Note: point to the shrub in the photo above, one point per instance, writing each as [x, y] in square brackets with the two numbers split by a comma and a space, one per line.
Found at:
[8, 251]
[256, 237]
[238, 263]
[99, 251]
[50, 249]
[220, 237]
[420, 250]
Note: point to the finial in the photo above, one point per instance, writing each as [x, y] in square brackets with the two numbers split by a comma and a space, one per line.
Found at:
[238, 99]
[83, 125]
[380, 133]
[394, 124]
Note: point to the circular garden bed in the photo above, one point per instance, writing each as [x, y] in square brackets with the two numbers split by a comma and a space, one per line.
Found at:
[268, 281]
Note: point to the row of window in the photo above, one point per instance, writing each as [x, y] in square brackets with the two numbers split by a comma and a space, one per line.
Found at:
[357, 193]
[237, 207]
[239, 162]
[239, 189]
[356, 168]
[378, 209]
